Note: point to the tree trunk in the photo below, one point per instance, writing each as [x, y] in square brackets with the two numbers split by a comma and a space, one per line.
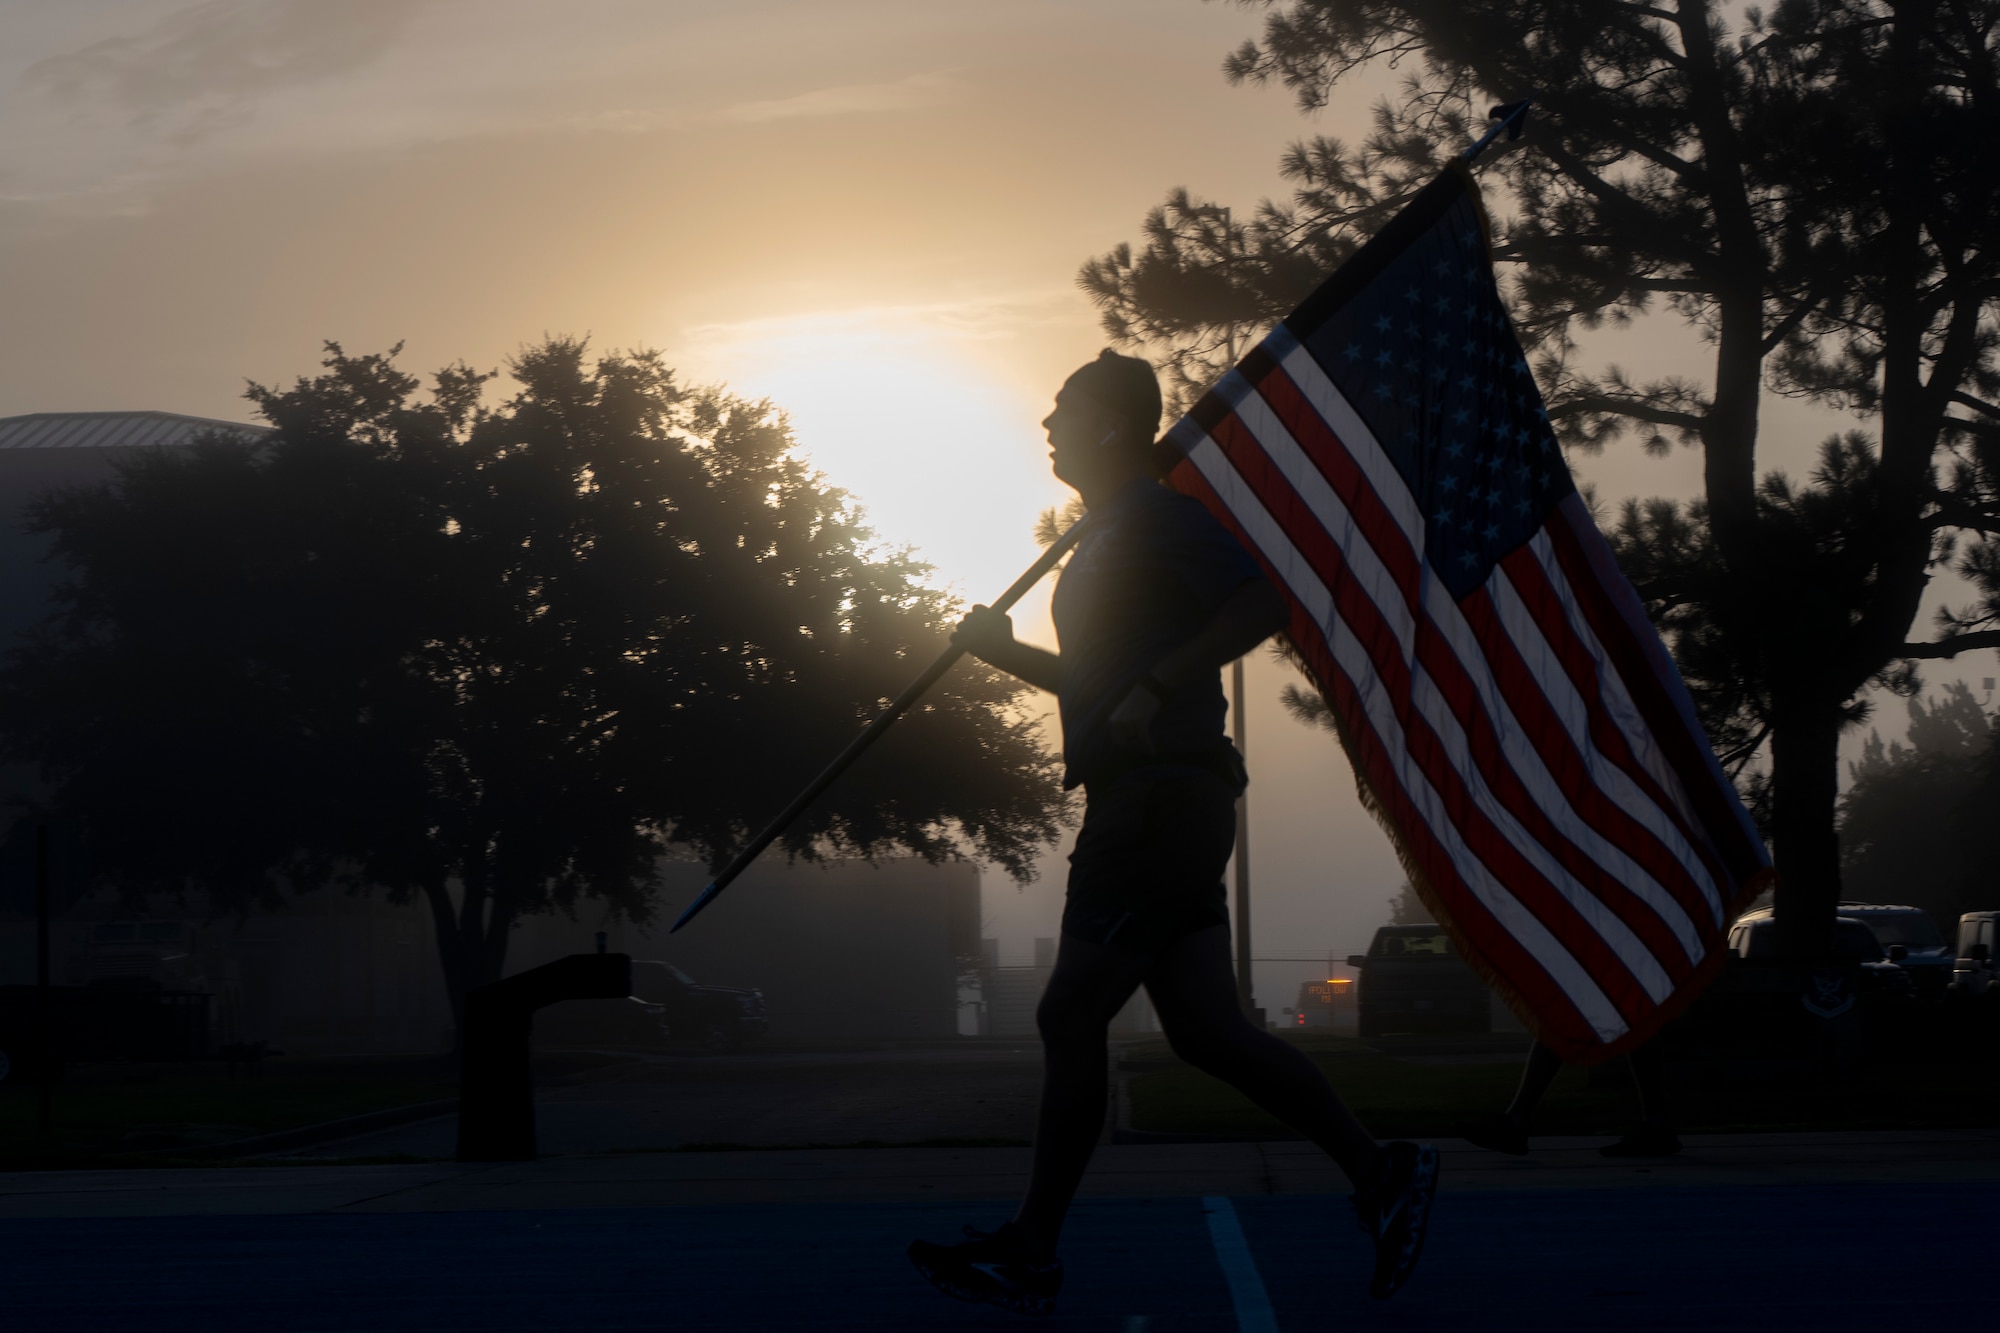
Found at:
[444, 926]
[472, 937]
[498, 929]
[1805, 783]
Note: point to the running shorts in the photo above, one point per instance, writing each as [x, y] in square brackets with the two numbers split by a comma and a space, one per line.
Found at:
[1147, 869]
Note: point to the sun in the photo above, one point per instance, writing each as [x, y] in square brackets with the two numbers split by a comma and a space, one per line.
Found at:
[912, 416]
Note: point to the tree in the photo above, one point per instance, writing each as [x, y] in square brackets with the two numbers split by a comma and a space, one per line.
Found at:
[1808, 191]
[1406, 908]
[496, 658]
[1917, 823]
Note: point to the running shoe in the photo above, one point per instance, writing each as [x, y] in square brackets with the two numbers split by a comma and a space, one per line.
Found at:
[1495, 1134]
[1393, 1210]
[993, 1268]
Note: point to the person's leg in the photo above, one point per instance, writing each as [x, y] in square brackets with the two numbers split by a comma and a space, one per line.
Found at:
[1536, 1075]
[1122, 882]
[1089, 985]
[1650, 1078]
[1016, 1267]
[1508, 1131]
[1655, 1135]
[1193, 987]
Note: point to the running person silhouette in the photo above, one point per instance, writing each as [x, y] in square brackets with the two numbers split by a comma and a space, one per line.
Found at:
[1157, 596]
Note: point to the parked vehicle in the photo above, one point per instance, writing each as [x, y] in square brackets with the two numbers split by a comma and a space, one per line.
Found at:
[717, 1018]
[1754, 938]
[627, 1024]
[1972, 972]
[1912, 941]
[1413, 980]
[666, 1005]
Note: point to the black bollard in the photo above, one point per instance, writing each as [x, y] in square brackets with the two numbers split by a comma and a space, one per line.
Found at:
[496, 1091]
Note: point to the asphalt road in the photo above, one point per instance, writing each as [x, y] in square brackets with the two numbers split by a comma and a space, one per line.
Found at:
[1812, 1256]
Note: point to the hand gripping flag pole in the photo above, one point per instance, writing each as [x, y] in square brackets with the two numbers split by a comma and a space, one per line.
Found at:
[901, 704]
[1508, 119]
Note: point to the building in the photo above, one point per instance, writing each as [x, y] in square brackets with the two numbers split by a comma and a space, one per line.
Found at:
[46, 451]
[1008, 996]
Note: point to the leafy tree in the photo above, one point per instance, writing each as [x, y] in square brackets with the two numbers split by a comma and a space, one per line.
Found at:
[1917, 823]
[1808, 191]
[1406, 908]
[496, 658]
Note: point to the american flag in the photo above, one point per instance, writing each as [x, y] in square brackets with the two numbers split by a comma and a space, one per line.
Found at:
[1511, 715]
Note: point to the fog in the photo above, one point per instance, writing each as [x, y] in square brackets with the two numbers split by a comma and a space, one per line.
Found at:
[870, 212]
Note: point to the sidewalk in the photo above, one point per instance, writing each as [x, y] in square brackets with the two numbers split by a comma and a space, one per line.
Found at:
[925, 1175]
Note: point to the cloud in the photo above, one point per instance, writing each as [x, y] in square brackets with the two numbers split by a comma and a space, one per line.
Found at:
[974, 318]
[203, 69]
[617, 120]
[918, 90]
[104, 127]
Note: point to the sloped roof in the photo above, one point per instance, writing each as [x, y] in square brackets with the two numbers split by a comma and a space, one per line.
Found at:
[103, 430]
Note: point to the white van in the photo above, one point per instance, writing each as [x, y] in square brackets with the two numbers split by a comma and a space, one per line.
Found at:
[1973, 973]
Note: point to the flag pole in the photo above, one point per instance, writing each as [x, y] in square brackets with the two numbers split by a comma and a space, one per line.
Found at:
[1510, 119]
[873, 732]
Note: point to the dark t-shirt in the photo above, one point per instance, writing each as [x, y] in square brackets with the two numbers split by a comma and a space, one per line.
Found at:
[1151, 569]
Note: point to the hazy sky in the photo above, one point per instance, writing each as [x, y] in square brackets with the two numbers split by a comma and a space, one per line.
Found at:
[870, 212]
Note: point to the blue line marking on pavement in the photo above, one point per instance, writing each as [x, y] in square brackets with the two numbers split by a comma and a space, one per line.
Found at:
[1232, 1251]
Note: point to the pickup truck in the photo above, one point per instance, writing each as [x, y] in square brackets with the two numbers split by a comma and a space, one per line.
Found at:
[1413, 980]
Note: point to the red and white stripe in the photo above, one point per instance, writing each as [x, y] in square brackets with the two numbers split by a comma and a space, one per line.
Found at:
[1521, 749]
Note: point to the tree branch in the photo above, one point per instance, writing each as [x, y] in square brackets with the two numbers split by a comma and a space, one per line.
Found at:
[1952, 511]
[1638, 411]
[1985, 429]
[1648, 11]
[1815, 294]
[1983, 408]
[1617, 201]
[1952, 646]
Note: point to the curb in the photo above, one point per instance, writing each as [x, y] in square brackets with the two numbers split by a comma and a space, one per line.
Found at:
[305, 1135]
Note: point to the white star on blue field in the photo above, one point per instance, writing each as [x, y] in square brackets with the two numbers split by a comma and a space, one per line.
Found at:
[1426, 355]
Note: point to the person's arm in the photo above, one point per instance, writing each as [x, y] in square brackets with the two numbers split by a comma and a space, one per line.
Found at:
[1250, 615]
[989, 636]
